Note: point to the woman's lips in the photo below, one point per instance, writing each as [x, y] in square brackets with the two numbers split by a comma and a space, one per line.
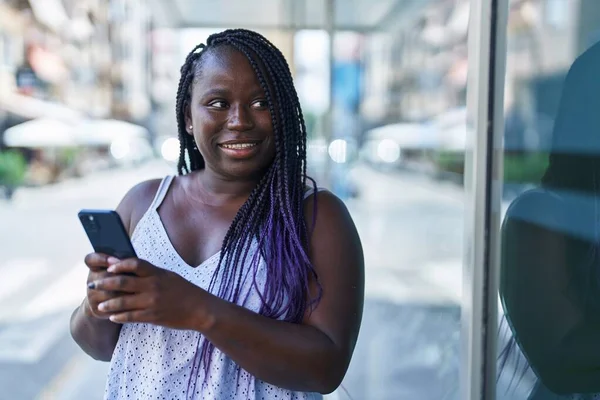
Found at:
[238, 146]
[239, 150]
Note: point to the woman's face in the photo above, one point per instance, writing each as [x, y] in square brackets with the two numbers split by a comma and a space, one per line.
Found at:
[230, 117]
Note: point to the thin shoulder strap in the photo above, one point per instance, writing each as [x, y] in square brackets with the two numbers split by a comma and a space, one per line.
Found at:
[312, 190]
[163, 188]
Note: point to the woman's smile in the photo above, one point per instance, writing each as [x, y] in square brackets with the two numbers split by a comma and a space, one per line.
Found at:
[240, 149]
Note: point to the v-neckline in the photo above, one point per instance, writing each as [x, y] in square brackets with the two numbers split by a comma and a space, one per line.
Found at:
[172, 246]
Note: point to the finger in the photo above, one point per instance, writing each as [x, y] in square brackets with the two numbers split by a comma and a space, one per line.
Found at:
[121, 304]
[91, 309]
[98, 296]
[118, 283]
[132, 316]
[96, 261]
[133, 266]
[96, 275]
[112, 260]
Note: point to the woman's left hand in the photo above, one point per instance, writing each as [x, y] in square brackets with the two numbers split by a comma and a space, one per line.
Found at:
[151, 295]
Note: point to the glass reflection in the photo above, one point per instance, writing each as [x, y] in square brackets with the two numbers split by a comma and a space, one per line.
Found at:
[550, 268]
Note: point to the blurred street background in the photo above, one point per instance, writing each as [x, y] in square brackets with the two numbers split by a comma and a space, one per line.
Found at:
[87, 109]
[411, 320]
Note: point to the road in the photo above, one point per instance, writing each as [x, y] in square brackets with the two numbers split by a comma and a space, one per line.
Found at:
[411, 229]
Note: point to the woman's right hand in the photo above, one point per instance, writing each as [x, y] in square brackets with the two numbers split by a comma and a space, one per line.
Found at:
[97, 263]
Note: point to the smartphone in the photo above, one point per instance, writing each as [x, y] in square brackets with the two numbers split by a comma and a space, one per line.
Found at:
[106, 233]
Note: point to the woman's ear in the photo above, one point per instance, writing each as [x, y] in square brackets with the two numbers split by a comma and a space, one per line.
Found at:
[189, 127]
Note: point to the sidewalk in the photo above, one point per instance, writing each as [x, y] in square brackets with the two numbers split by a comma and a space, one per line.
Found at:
[420, 305]
[411, 228]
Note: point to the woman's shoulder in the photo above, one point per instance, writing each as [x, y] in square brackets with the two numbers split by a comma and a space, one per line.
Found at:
[327, 210]
[310, 190]
[136, 202]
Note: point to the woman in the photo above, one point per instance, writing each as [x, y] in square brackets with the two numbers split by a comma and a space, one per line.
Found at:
[249, 284]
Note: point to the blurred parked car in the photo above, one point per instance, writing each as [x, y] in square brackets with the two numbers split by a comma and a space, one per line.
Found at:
[450, 128]
[397, 145]
[128, 143]
[448, 159]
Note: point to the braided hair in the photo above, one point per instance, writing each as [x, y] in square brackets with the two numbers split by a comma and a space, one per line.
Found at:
[272, 218]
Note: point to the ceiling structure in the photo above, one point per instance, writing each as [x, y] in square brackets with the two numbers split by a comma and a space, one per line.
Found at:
[352, 15]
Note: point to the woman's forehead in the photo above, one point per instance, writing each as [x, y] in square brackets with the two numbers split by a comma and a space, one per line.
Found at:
[226, 63]
[224, 59]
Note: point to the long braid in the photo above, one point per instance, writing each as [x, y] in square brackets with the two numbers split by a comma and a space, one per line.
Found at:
[278, 99]
[184, 90]
[286, 151]
[274, 67]
[272, 219]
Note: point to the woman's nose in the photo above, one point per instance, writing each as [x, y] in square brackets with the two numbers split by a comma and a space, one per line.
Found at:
[240, 118]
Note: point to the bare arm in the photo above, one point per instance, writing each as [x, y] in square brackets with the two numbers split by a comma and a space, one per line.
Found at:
[90, 328]
[314, 355]
[96, 336]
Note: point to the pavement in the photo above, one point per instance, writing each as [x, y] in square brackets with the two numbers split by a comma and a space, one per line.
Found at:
[42, 246]
[412, 233]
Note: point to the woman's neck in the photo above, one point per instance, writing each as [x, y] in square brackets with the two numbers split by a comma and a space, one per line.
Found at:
[219, 188]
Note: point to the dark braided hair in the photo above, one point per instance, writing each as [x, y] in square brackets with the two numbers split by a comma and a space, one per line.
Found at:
[272, 219]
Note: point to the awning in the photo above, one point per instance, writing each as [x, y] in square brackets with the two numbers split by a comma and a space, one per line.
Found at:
[350, 15]
[40, 133]
[103, 132]
[52, 133]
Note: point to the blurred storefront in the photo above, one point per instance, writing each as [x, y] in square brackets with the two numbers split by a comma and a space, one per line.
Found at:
[88, 55]
[70, 61]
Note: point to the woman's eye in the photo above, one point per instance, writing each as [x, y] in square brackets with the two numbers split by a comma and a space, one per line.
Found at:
[218, 104]
[261, 104]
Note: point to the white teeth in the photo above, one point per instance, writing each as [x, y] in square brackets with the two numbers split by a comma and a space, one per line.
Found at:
[238, 146]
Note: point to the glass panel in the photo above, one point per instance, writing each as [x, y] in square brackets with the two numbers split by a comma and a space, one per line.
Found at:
[406, 118]
[391, 147]
[550, 262]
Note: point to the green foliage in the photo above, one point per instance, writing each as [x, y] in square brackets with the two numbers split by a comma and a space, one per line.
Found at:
[12, 168]
[449, 161]
[525, 168]
[518, 167]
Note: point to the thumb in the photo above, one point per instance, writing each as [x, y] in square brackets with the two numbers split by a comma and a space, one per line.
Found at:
[134, 266]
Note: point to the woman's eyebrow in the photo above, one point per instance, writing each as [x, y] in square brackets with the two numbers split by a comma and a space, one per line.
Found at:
[216, 92]
[224, 92]
[258, 92]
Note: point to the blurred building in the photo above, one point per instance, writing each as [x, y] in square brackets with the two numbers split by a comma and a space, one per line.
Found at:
[130, 30]
[69, 58]
[418, 68]
[543, 37]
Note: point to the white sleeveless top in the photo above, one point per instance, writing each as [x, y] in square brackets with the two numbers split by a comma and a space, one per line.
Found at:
[154, 362]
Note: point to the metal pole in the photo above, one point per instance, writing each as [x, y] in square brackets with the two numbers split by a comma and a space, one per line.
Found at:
[328, 131]
[483, 182]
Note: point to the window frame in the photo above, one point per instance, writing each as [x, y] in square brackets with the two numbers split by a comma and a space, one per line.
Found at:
[483, 193]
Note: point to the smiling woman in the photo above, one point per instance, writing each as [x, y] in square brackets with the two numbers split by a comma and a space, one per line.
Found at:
[249, 282]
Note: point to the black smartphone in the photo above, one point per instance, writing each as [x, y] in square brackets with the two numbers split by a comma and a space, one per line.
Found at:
[106, 233]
